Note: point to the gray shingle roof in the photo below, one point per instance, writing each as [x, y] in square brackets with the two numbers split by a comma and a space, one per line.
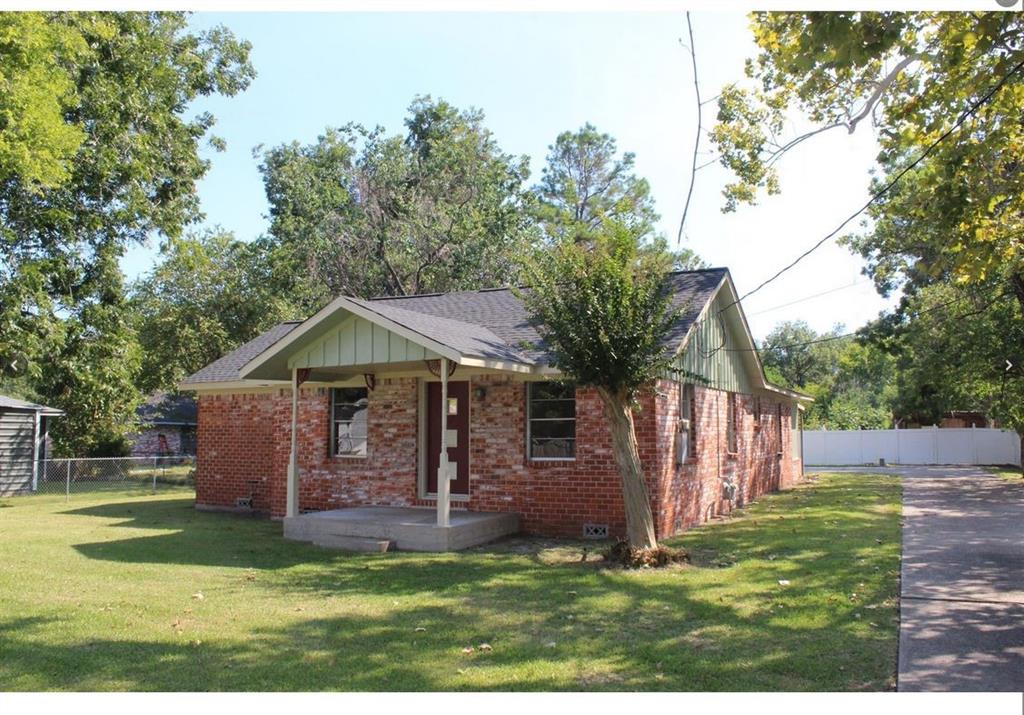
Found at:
[490, 323]
[12, 403]
[164, 408]
[226, 369]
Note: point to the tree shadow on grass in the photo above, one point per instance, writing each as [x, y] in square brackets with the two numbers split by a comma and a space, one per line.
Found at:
[657, 637]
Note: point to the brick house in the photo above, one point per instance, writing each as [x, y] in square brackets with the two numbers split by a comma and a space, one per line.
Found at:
[371, 385]
[167, 426]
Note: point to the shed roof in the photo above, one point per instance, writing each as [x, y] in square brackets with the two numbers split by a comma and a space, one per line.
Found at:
[11, 403]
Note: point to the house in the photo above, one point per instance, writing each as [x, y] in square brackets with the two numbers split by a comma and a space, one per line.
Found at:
[23, 443]
[347, 408]
[167, 426]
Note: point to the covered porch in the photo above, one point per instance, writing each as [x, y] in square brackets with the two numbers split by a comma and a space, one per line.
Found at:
[380, 528]
[354, 343]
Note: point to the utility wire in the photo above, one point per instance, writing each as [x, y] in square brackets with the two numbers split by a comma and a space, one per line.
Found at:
[810, 297]
[830, 338]
[885, 189]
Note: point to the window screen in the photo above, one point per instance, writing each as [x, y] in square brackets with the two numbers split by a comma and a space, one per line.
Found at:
[551, 422]
[348, 421]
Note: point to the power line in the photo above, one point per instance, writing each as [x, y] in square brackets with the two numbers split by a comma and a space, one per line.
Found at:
[809, 297]
[830, 338]
[885, 189]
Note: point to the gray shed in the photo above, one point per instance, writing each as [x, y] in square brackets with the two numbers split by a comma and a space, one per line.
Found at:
[23, 428]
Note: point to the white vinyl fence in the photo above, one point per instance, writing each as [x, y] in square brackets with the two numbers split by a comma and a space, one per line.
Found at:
[929, 445]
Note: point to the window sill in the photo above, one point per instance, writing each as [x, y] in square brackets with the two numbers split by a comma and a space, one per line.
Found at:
[551, 459]
[349, 456]
[732, 455]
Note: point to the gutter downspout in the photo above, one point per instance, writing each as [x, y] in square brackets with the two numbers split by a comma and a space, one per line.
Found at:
[35, 450]
[292, 502]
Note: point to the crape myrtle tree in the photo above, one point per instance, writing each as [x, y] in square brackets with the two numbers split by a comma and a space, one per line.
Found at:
[599, 292]
[605, 307]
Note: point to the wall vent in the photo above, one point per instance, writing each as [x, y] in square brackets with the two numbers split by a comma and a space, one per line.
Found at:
[595, 531]
[243, 503]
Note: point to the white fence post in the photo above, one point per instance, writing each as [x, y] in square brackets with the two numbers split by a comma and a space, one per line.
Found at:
[67, 482]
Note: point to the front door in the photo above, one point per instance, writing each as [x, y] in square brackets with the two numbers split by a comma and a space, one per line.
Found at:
[458, 434]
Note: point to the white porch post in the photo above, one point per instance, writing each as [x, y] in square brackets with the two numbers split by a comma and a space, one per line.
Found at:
[443, 485]
[292, 504]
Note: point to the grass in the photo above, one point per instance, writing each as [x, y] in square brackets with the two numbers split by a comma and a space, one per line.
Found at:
[1009, 473]
[122, 592]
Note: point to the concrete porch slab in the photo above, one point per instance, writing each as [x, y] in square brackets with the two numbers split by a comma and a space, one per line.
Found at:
[407, 528]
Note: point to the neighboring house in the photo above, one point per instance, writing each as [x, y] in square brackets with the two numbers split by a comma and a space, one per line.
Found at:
[23, 443]
[366, 377]
[168, 426]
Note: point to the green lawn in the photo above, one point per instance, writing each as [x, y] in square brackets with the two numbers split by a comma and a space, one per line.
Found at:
[129, 592]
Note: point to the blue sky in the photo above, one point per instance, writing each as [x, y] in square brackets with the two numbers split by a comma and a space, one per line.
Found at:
[535, 75]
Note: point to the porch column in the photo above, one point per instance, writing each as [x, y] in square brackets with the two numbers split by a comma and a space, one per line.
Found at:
[292, 503]
[443, 485]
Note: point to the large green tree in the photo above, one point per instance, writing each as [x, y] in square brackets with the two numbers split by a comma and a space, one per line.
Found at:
[959, 215]
[604, 307]
[852, 381]
[208, 294]
[122, 167]
[364, 213]
[586, 184]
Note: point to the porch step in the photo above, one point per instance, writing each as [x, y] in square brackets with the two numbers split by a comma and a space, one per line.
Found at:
[352, 543]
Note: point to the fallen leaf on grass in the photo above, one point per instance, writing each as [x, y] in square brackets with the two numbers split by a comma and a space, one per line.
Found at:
[468, 649]
[198, 596]
[419, 629]
[485, 647]
[550, 644]
[783, 582]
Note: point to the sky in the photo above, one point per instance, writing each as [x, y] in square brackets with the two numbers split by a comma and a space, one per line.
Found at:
[535, 75]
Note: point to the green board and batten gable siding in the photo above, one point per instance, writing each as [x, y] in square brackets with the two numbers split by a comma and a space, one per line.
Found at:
[357, 341]
[714, 352]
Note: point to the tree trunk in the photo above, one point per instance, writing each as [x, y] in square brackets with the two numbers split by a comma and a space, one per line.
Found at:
[639, 520]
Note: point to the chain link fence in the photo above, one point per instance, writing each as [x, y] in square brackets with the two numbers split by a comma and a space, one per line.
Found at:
[145, 474]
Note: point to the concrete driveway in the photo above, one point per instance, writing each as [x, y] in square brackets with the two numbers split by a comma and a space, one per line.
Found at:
[962, 604]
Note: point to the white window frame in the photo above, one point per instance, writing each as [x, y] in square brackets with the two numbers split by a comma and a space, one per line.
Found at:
[530, 420]
[334, 425]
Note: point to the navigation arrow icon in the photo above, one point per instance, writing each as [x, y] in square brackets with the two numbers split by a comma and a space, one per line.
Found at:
[1008, 365]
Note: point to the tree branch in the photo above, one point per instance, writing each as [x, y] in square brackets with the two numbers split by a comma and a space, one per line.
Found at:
[696, 143]
[880, 89]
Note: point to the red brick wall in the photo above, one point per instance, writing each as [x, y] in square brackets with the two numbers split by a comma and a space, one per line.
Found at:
[245, 439]
[236, 436]
[692, 493]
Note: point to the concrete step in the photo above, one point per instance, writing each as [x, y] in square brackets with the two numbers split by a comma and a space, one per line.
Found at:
[352, 543]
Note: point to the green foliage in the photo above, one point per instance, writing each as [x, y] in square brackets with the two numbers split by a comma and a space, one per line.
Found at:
[603, 308]
[93, 376]
[958, 216]
[36, 143]
[363, 213]
[585, 185]
[952, 345]
[132, 77]
[119, 166]
[208, 295]
[853, 383]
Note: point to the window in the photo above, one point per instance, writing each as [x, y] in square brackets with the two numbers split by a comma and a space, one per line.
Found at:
[778, 427]
[730, 423]
[795, 435]
[551, 420]
[348, 421]
[757, 414]
[688, 412]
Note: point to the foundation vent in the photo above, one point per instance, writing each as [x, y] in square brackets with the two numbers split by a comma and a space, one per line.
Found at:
[243, 503]
[595, 531]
